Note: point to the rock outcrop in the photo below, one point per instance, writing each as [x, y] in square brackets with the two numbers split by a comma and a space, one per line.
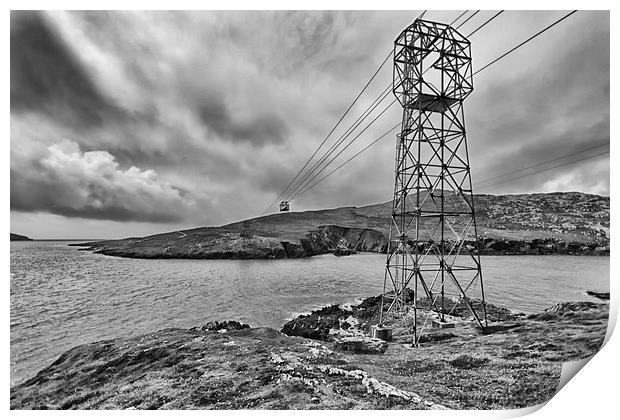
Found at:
[600, 295]
[324, 323]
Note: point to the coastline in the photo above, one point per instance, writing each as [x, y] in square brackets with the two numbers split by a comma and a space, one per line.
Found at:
[258, 247]
[525, 224]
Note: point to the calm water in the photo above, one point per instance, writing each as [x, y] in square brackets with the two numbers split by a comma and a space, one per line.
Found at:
[61, 297]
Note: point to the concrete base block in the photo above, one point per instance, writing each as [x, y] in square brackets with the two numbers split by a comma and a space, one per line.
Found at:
[381, 332]
[442, 324]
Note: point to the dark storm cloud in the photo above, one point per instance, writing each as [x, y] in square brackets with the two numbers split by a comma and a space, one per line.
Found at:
[46, 77]
[576, 84]
[23, 198]
[260, 129]
[143, 87]
[541, 147]
[558, 108]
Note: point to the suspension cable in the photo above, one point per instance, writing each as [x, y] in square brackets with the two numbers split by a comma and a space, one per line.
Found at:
[355, 138]
[304, 186]
[467, 20]
[547, 169]
[526, 41]
[484, 24]
[331, 131]
[368, 146]
[290, 183]
[341, 140]
[458, 17]
[485, 181]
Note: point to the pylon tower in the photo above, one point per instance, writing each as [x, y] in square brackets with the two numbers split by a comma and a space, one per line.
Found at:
[433, 248]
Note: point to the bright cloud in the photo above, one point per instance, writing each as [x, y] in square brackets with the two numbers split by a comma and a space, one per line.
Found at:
[69, 182]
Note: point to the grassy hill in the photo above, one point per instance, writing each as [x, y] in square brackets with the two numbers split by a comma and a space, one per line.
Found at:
[571, 222]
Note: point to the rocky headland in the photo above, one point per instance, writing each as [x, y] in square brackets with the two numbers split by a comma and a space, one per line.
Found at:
[526, 224]
[311, 363]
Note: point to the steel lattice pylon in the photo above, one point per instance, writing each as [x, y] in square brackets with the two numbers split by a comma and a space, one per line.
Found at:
[433, 239]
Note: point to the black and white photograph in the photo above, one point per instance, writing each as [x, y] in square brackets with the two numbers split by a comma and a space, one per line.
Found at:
[307, 209]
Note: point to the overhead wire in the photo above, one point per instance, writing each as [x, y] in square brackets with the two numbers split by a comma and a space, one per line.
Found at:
[332, 130]
[348, 144]
[288, 186]
[458, 17]
[484, 24]
[290, 183]
[543, 163]
[467, 20]
[547, 169]
[526, 41]
[368, 146]
[341, 140]
[305, 186]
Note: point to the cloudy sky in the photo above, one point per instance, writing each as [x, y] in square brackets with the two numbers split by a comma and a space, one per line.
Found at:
[132, 123]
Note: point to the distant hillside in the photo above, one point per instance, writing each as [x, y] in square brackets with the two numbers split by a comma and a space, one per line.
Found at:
[552, 223]
[16, 237]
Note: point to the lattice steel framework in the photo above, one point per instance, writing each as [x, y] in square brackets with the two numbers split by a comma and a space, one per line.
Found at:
[433, 238]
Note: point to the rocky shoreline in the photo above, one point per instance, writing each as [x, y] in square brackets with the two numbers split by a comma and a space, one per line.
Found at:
[515, 363]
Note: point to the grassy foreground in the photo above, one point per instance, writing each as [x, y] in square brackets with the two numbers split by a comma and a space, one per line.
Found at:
[517, 365]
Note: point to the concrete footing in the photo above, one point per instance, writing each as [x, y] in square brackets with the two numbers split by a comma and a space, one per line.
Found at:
[382, 332]
[442, 324]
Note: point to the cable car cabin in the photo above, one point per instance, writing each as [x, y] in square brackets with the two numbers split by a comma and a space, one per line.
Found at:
[284, 206]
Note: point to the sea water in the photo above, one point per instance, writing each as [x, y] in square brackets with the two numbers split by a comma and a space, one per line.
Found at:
[62, 297]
